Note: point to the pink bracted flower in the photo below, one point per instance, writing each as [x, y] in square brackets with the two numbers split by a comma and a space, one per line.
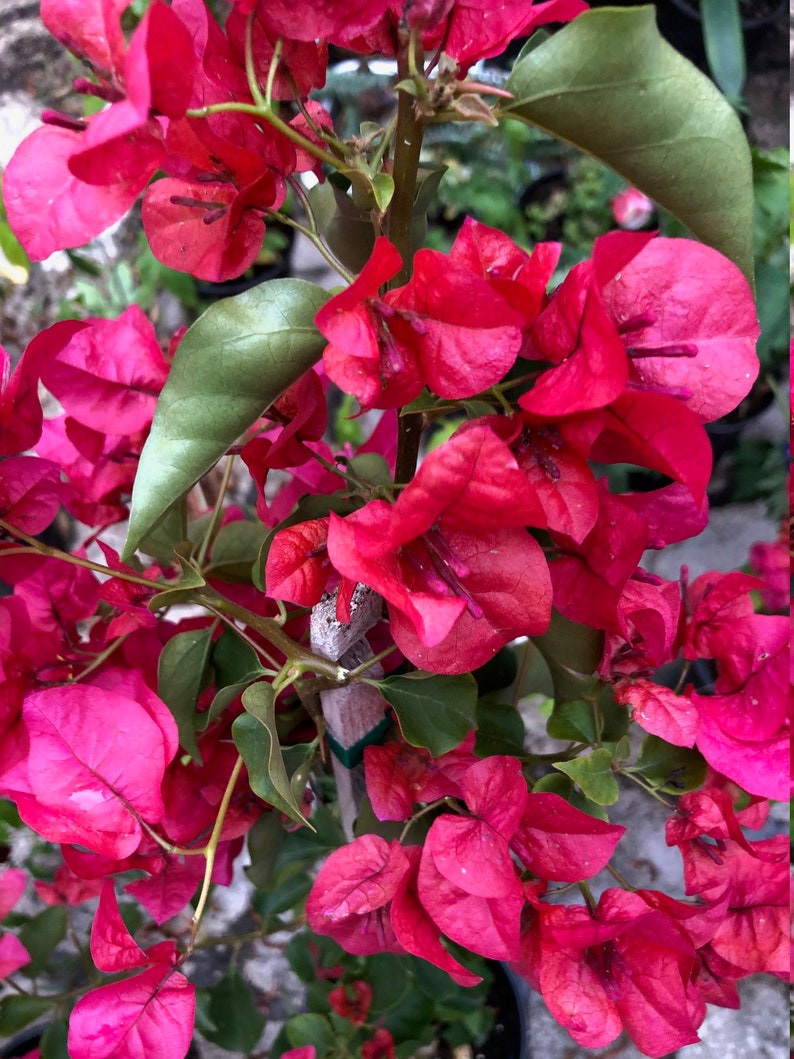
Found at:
[148, 1015]
[13, 953]
[432, 555]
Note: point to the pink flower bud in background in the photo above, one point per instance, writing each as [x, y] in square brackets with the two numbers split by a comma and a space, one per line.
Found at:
[631, 209]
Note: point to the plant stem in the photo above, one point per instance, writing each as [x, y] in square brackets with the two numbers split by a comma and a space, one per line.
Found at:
[399, 218]
[298, 656]
[217, 513]
[313, 236]
[56, 553]
[250, 69]
[407, 148]
[100, 658]
[212, 848]
[272, 119]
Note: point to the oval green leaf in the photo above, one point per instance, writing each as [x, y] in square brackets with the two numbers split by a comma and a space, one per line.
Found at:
[593, 775]
[234, 361]
[434, 711]
[255, 736]
[181, 676]
[610, 85]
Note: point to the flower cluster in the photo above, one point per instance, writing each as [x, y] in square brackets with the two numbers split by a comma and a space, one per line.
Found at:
[361, 585]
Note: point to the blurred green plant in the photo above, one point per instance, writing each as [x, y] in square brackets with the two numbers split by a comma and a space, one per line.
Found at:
[107, 291]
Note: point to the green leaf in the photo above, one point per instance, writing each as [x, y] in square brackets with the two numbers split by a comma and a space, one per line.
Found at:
[236, 549]
[556, 783]
[500, 729]
[673, 769]
[236, 665]
[594, 775]
[16, 1012]
[310, 1029]
[572, 720]
[167, 535]
[284, 898]
[40, 935]
[232, 363]
[232, 1010]
[724, 44]
[265, 840]
[233, 660]
[383, 189]
[254, 734]
[183, 591]
[54, 1039]
[609, 84]
[571, 652]
[180, 679]
[434, 711]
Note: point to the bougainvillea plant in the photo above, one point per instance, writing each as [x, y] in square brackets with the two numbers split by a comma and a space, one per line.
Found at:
[361, 633]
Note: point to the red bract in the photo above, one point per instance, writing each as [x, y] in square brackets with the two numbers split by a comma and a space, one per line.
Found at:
[656, 431]
[431, 555]
[575, 333]
[468, 30]
[20, 409]
[719, 619]
[97, 167]
[129, 598]
[398, 776]
[94, 767]
[687, 316]
[623, 966]
[363, 358]
[90, 29]
[39, 173]
[100, 468]
[752, 936]
[660, 711]
[109, 374]
[352, 1001]
[351, 895]
[297, 566]
[416, 931]
[710, 812]
[380, 1047]
[561, 479]
[151, 1017]
[771, 560]
[67, 888]
[589, 578]
[472, 852]
[744, 732]
[13, 953]
[465, 335]
[671, 513]
[212, 228]
[556, 841]
[650, 615]
[30, 492]
[330, 20]
[301, 65]
[518, 277]
[744, 725]
[488, 926]
[447, 328]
